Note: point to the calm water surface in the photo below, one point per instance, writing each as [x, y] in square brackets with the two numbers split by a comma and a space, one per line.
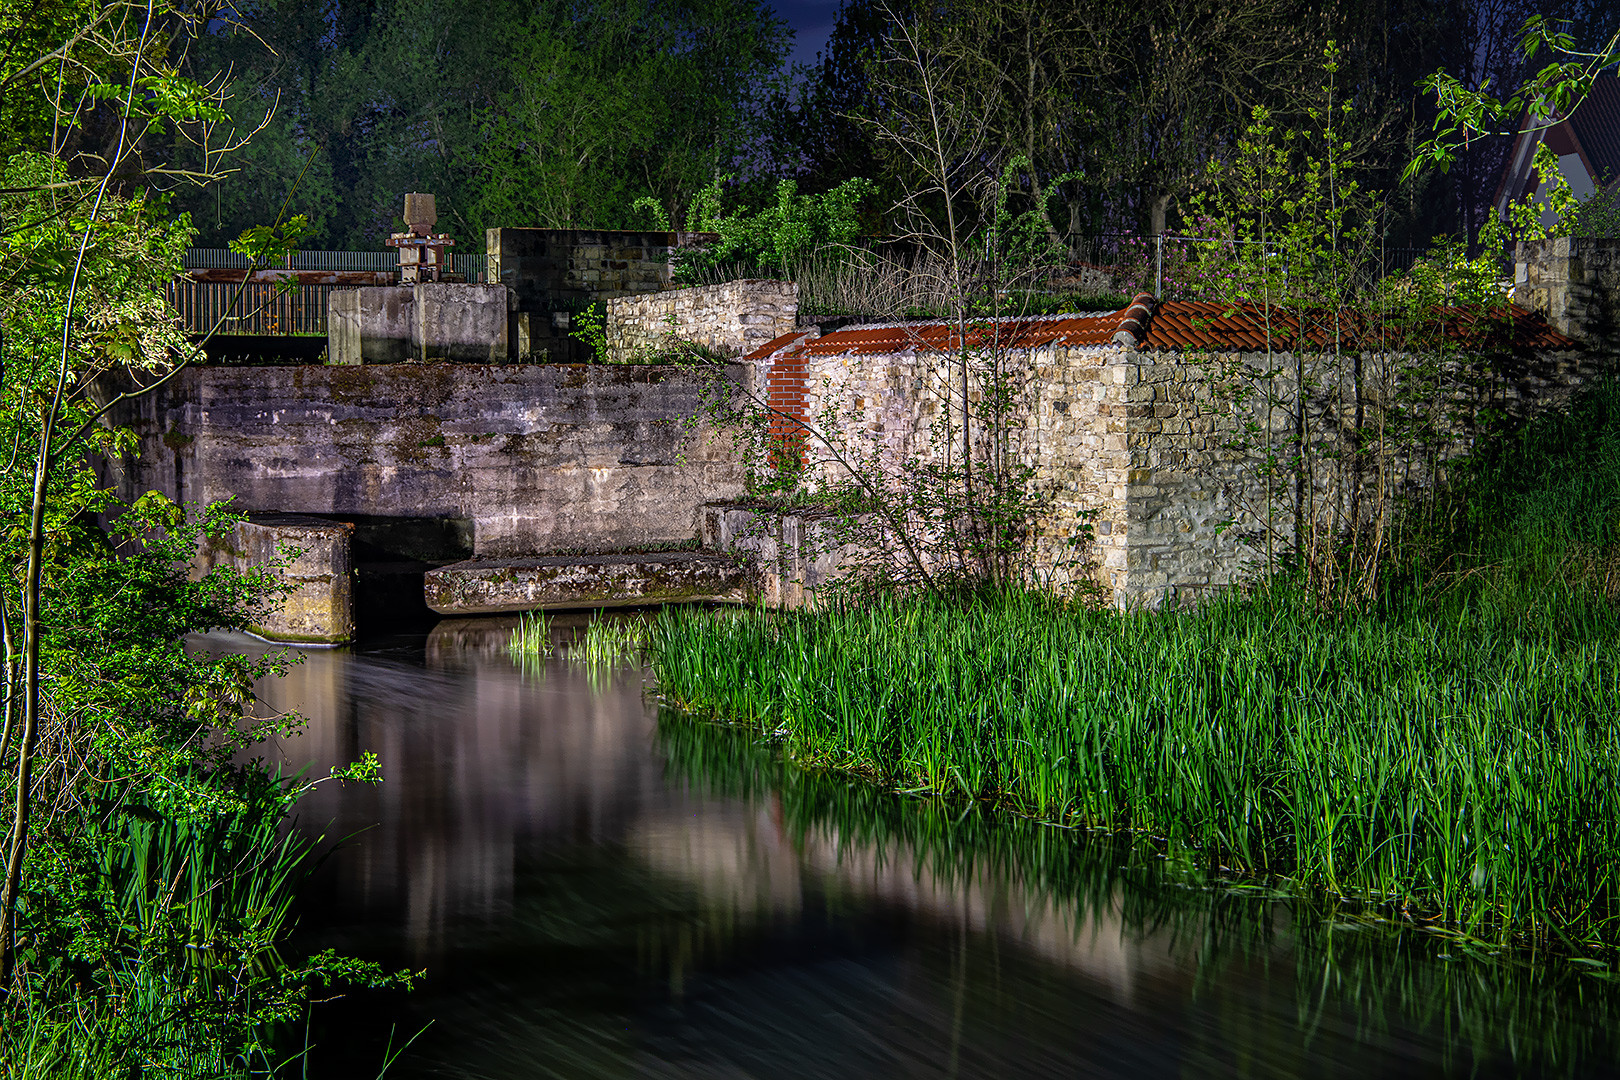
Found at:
[597, 888]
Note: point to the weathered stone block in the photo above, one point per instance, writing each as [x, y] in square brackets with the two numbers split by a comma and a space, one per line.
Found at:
[315, 572]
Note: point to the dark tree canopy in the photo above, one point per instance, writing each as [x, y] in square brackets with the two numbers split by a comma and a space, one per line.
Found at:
[558, 113]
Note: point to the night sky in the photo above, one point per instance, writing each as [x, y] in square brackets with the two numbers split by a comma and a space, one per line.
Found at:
[811, 21]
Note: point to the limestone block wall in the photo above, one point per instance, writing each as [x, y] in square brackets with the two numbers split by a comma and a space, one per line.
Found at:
[1575, 281]
[732, 318]
[1069, 423]
[1200, 503]
[537, 457]
[1152, 452]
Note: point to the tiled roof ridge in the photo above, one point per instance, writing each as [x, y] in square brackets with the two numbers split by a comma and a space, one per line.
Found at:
[791, 341]
[1009, 317]
[1133, 323]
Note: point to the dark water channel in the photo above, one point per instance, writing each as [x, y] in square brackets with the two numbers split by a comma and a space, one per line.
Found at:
[597, 888]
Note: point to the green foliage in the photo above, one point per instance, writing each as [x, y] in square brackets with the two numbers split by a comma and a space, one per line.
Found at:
[779, 236]
[531, 636]
[1597, 215]
[155, 870]
[609, 641]
[1543, 99]
[1446, 751]
[268, 244]
[158, 887]
[652, 214]
[589, 327]
[1492, 1005]
[129, 253]
[552, 115]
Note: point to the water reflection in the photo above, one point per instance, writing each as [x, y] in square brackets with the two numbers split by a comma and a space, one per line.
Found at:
[600, 890]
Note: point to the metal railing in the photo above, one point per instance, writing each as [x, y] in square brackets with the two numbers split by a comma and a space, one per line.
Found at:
[274, 309]
[267, 309]
[469, 266]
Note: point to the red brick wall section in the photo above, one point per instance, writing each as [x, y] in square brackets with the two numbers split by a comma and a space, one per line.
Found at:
[785, 394]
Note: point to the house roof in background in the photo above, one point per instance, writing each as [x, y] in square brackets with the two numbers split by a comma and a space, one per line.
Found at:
[1597, 128]
[1592, 133]
[1152, 326]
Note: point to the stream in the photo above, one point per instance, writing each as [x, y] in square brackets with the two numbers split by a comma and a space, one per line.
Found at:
[598, 886]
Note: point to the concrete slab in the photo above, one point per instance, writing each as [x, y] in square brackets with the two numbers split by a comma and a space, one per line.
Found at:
[484, 586]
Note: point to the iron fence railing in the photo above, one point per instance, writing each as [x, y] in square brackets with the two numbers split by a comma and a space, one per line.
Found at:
[469, 266]
[279, 309]
[267, 309]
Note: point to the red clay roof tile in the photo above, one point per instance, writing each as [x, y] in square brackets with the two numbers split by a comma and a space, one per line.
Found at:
[1185, 324]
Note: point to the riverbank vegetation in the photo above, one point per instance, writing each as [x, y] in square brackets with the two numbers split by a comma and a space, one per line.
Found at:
[1446, 749]
[1503, 1006]
[149, 868]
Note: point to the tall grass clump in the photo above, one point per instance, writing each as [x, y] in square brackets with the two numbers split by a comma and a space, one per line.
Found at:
[1534, 510]
[1452, 752]
[610, 641]
[531, 636]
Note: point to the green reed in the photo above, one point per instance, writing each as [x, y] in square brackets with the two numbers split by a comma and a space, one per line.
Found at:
[531, 636]
[610, 641]
[1459, 764]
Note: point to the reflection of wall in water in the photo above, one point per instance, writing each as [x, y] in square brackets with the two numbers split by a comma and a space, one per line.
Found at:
[746, 859]
[481, 762]
[476, 764]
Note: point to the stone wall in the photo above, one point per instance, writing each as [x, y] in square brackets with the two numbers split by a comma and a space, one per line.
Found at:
[1200, 502]
[1575, 282]
[556, 273]
[537, 457]
[731, 318]
[1147, 450]
[1072, 406]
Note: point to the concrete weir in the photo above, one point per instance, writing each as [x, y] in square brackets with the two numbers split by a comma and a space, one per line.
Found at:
[486, 586]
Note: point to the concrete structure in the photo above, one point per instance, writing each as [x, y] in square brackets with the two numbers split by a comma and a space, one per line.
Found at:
[794, 556]
[534, 457]
[311, 558]
[423, 322]
[483, 586]
[730, 319]
[554, 274]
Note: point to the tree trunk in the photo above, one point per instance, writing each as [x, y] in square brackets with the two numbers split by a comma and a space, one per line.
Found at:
[1160, 209]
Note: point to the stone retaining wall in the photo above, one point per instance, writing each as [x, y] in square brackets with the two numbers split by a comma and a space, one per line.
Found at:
[731, 318]
[1575, 281]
